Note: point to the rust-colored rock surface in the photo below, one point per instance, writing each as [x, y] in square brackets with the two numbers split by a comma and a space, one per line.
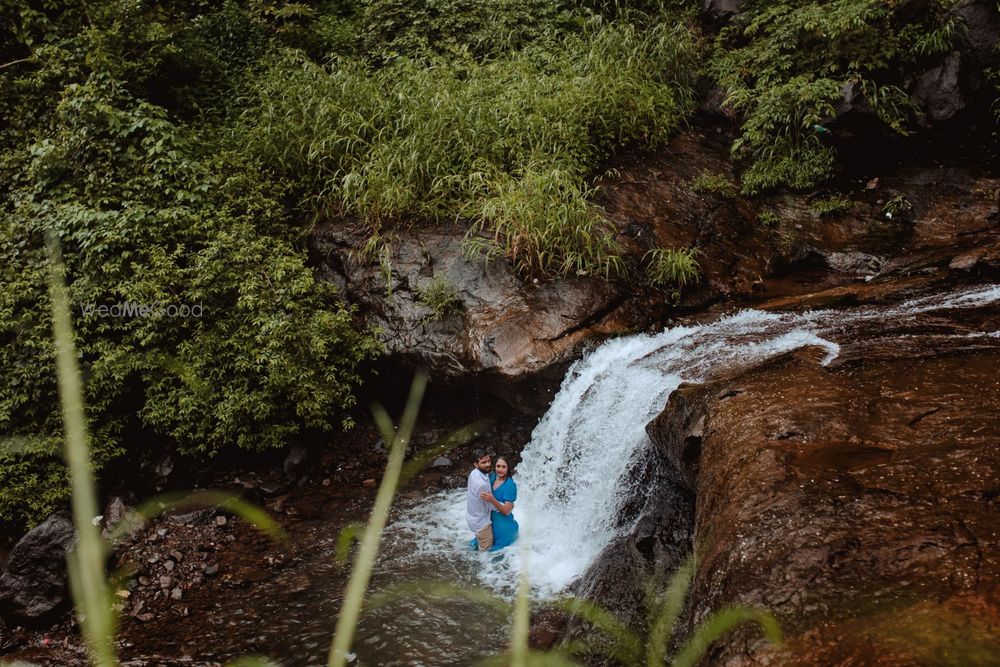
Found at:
[859, 502]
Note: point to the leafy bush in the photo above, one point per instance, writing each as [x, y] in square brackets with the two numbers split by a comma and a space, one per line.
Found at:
[506, 143]
[480, 28]
[273, 354]
[672, 267]
[896, 206]
[784, 65]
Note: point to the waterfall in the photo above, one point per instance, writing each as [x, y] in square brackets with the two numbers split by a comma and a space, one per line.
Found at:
[574, 474]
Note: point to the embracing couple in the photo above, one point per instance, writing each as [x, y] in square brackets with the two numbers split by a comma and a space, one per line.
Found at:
[490, 503]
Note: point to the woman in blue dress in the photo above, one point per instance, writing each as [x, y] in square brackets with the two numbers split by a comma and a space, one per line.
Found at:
[504, 494]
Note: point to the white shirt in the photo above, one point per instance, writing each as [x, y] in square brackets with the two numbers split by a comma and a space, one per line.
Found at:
[477, 510]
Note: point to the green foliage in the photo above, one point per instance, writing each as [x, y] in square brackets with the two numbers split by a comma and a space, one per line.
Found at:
[506, 143]
[831, 205]
[668, 267]
[896, 206]
[768, 218]
[480, 28]
[707, 182]
[783, 65]
[440, 297]
[160, 222]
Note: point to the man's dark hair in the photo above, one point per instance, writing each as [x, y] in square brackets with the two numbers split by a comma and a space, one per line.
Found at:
[478, 454]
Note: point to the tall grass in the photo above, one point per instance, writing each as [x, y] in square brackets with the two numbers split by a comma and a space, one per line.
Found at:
[364, 562]
[505, 144]
[86, 560]
[669, 267]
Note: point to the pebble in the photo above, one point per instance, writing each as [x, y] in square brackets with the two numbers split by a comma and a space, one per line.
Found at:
[170, 565]
[269, 488]
[368, 483]
[144, 581]
[166, 581]
[220, 520]
[177, 593]
[211, 570]
[162, 532]
[441, 462]
[177, 555]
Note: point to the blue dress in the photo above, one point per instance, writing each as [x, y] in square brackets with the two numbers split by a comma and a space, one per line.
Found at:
[504, 527]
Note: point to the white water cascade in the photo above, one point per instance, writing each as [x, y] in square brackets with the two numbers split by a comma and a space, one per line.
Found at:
[573, 477]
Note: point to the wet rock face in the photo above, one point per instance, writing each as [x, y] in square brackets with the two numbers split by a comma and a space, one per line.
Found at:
[719, 12]
[496, 324]
[982, 30]
[33, 585]
[857, 502]
[938, 88]
[657, 543]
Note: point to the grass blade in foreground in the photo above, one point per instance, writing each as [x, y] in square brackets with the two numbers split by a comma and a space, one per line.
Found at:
[86, 561]
[361, 573]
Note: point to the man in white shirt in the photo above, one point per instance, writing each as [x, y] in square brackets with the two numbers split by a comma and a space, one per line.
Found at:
[477, 510]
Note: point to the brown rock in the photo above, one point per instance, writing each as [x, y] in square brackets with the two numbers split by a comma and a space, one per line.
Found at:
[854, 502]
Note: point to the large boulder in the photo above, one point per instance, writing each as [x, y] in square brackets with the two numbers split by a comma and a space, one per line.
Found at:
[939, 89]
[33, 585]
[720, 12]
[495, 324]
[982, 30]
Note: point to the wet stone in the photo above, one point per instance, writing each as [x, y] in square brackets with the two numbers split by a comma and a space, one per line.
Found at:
[269, 488]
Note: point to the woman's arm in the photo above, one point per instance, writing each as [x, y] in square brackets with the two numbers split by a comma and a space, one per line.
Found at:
[503, 508]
